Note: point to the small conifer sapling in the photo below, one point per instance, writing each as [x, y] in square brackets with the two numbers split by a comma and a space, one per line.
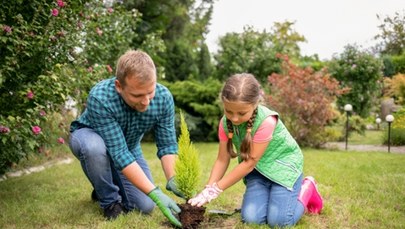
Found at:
[187, 165]
[187, 178]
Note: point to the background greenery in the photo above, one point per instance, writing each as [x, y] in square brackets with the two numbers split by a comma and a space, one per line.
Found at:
[54, 51]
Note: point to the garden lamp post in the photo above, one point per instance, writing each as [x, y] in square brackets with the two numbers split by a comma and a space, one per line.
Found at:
[389, 119]
[347, 108]
[378, 121]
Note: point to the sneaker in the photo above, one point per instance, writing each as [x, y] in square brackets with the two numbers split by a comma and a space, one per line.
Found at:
[94, 196]
[113, 211]
[315, 203]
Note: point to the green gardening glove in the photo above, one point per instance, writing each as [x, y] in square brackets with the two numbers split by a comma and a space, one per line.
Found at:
[171, 186]
[166, 205]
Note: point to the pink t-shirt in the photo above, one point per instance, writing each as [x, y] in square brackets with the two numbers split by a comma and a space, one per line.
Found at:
[263, 134]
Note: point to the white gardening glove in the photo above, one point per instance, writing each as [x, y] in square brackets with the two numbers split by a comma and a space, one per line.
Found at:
[209, 193]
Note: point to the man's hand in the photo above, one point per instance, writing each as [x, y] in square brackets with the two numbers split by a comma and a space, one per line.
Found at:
[209, 193]
[171, 186]
[166, 205]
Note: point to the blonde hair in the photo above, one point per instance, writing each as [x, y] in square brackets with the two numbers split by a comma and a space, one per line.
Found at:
[242, 88]
[135, 63]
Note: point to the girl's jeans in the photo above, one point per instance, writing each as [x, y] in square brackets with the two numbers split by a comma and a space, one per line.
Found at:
[267, 202]
[111, 185]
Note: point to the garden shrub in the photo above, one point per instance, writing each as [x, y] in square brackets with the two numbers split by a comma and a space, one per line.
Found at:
[304, 99]
[362, 73]
[397, 137]
[51, 50]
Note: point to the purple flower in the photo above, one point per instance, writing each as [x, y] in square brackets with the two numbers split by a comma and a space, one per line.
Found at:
[30, 95]
[60, 3]
[36, 130]
[4, 130]
[7, 29]
[55, 12]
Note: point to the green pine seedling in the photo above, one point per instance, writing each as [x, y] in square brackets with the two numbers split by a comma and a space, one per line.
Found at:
[187, 165]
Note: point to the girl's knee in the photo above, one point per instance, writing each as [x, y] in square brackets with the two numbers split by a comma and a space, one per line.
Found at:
[251, 218]
[280, 222]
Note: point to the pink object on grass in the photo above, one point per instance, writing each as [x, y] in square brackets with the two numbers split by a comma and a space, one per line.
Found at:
[310, 196]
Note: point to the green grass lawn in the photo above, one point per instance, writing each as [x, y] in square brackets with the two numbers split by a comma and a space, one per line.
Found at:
[360, 190]
[370, 137]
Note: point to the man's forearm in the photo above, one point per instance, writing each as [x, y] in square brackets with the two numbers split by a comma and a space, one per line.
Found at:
[168, 162]
[137, 177]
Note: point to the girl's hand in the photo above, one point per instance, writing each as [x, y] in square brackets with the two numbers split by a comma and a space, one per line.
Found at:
[209, 193]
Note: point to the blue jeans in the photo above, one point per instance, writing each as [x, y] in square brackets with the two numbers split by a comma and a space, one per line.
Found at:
[111, 185]
[268, 202]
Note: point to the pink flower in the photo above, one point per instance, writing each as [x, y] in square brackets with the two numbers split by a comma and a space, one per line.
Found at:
[36, 130]
[4, 129]
[110, 10]
[99, 31]
[7, 29]
[30, 95]
[42, 113]
[55, 12]
[109, 69]
[61, 141]
[60, 3]
[90, 69]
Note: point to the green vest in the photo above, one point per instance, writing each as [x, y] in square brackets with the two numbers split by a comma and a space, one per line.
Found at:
[282, 161]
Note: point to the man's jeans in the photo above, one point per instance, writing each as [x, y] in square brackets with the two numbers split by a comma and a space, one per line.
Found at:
[266, 202]
[111, 185]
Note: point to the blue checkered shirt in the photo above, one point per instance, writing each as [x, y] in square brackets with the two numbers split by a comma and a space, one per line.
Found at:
[122, 127]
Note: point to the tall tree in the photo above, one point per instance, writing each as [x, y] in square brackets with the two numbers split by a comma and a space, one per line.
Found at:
[176, 21]
[392, 34]
[361, 72]
[255, 52]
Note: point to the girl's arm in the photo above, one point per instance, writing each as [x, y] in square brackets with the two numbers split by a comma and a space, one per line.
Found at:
[244, 168]
[221, 164]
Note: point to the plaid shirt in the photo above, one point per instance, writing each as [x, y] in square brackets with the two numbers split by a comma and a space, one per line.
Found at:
[122, 127]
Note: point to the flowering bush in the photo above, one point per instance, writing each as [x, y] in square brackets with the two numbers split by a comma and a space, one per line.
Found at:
[51, 50]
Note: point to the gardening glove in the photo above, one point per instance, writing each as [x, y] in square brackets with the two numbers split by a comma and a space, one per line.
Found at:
[171, 186]
[209, 193]
[166, 205]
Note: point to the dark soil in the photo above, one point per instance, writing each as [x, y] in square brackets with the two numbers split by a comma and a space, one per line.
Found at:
[191, 216]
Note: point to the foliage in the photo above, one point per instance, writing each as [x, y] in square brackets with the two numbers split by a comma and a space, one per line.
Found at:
[109, 32]
[362, 73]
[255, 52]
[187, 167]
[395, 87]
[201, 101]
[389, 67]
[182, 64]
[43, 63]
[397, 129]
[250, 51]
[35, 36]
[286, 39]
[182, 25]
[399, 63]
[392, 33]
[304, 99]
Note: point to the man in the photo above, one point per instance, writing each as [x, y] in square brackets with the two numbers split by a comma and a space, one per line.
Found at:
[106, 139]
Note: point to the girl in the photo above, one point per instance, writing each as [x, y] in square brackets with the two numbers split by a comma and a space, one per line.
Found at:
[270, 160]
